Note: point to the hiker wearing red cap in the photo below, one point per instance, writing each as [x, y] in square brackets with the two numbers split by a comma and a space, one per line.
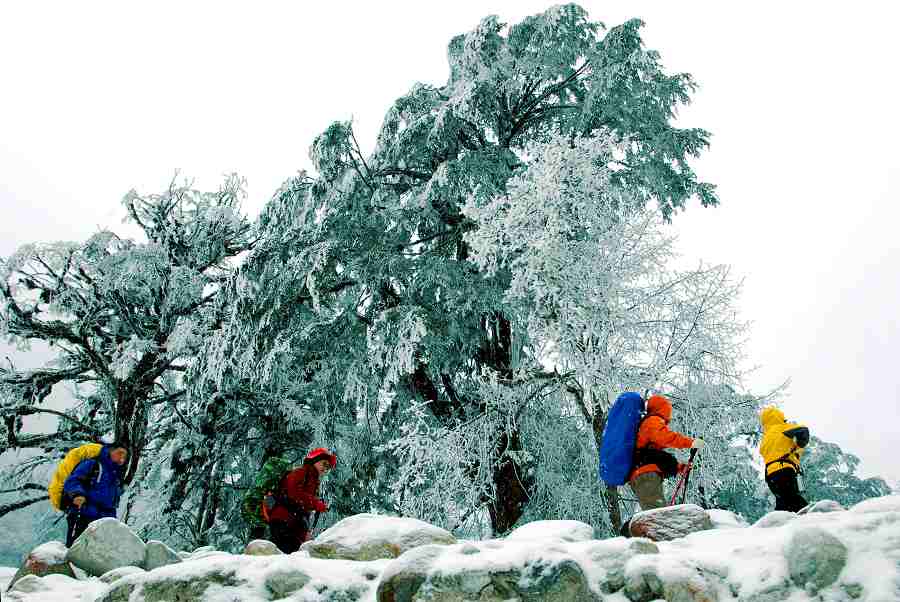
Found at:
[298, 497]
[651, 463]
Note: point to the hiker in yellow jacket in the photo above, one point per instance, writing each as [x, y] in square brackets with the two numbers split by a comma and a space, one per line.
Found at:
[781, 447]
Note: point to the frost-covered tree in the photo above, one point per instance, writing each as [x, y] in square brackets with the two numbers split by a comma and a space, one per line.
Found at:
[125, 317]
[364, 310]
[829, 473]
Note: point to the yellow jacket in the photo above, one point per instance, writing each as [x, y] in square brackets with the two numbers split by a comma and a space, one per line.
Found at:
[782, 442]
[65, 468]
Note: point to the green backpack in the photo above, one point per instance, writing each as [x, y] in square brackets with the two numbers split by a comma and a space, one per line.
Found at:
[258, 501]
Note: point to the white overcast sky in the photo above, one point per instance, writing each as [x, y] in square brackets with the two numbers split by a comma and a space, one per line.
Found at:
[100, 97]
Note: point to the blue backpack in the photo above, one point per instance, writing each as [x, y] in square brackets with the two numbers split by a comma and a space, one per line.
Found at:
[619, 438]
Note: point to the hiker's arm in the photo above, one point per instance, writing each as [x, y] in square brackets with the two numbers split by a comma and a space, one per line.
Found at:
[75, 483]
[798, 433]
[663, 437]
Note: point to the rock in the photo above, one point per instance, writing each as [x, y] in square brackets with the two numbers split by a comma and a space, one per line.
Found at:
[372, 537]
[815, 557]
[778, 518]
[105, 545]
[888, 503]
[823, 506]
[46, 559]
[523, 570]
[203, 549]
[116, 574]
[723, 519]
[168, 585]
[565, 530]
[158, 554]
[608, 557]
[671, 522]
[28, 584]
[650, 577]
[283, 582]
[184, 555]
[262, 547]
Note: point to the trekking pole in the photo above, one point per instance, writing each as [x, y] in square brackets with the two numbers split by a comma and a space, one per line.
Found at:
[687, 475]
[682, 481]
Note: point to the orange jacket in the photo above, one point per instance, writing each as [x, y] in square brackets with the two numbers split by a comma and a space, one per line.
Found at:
[654, 432]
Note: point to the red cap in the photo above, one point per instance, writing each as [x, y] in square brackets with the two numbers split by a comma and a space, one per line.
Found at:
[319, 453]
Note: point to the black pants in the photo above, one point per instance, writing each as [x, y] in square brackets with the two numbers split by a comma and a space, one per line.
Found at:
[289, 536]
[783, 483]
[77, 525]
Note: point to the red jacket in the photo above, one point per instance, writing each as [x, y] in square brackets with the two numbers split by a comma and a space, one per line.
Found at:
[301, 486]
[654, 432]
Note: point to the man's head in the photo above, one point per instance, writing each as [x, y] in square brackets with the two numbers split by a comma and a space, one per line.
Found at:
[118, 453]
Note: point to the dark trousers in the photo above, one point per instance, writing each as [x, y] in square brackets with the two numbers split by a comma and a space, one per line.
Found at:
[77, 525]
[289, 536]
[783, 483]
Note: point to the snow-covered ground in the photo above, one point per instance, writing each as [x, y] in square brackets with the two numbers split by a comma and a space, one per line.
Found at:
[827, 555]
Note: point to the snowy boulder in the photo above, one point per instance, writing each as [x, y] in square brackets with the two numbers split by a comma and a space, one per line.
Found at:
[116, 574]
[823, 506]
[723, 519]
[373, 537]
[175, 583]
[261, 547]
[673, 579]
[53, 582]
[521, 570]
[285, 581]
[607, 559]
[158, 555]
[564, 530]
[46, 559]
[777, 518]
[888, 503]
[671, 522]
[815, 557]
[105, 545]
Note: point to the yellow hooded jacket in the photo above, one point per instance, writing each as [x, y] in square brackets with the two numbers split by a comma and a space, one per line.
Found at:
[65, 468]
[782, 442]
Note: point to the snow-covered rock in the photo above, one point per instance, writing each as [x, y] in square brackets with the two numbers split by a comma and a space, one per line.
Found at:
[823, 506]
[565, 530]
[116, 574]
[723, 519]
[776, 518]
[606, 559]
[671, 522]
[46, 559]
[526, 570]
[251, 579]
[262, 547]
[815, 557]
[373, 537]
[158, 554]
[105, 545]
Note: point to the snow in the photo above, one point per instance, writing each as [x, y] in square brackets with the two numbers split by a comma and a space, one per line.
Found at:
[734, 561]
[567, 530]
[52, 552]
[6, 575]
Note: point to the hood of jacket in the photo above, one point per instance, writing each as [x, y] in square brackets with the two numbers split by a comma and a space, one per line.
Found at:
[658, 405]
[770, 417]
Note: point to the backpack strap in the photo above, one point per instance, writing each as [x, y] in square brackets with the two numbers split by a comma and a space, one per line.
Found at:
[786, 459]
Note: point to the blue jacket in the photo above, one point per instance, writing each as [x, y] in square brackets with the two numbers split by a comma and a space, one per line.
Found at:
[100, 482]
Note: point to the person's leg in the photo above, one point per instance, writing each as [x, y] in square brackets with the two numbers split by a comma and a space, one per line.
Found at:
[648, 488]
[77, 525]
[285, 536]
[783, 484]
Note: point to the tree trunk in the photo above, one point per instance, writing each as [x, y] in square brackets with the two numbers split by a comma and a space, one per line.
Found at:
[598, 424]
[511, 486]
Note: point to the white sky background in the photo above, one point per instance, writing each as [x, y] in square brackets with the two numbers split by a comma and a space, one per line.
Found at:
[97, 98]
